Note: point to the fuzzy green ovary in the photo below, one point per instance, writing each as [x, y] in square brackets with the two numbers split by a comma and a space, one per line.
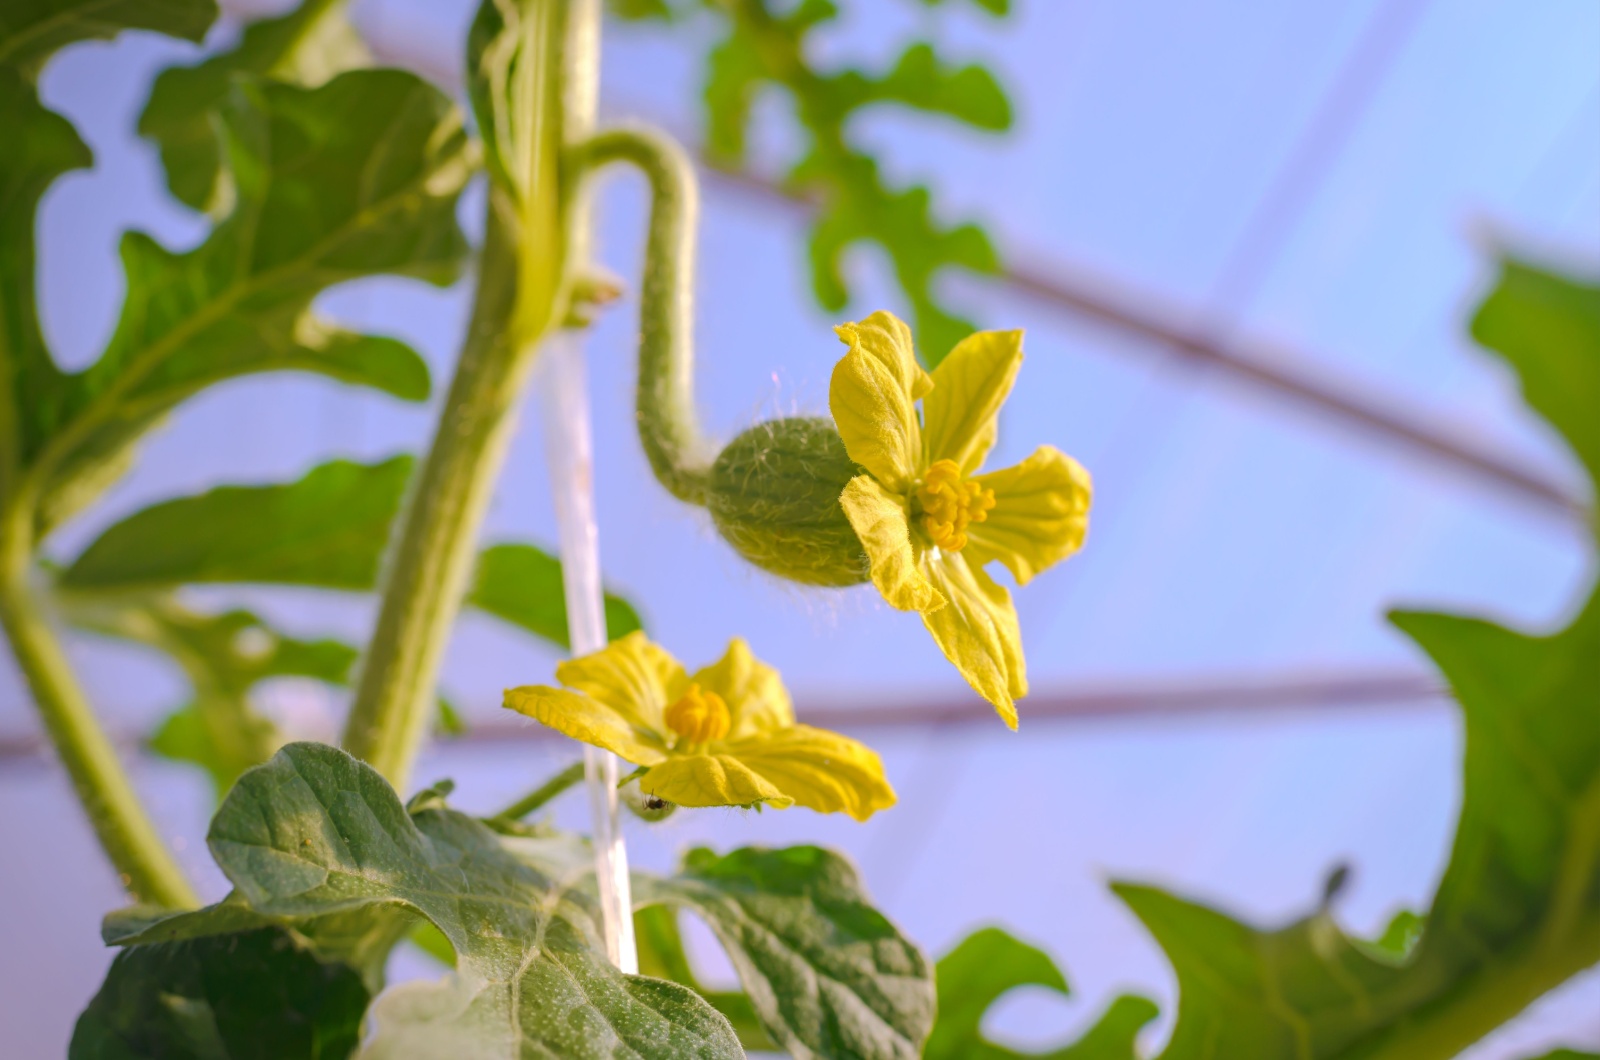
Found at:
[774, 496]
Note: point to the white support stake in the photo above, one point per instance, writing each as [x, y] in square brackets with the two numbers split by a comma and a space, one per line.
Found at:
[569, 451]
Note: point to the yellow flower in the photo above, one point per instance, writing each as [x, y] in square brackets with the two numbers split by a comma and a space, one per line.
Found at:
[928, 520]
[724, 737]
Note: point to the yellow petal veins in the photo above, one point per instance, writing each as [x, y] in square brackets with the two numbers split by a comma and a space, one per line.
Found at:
[1040, 517]
[630, 675]
[589, 720]
[979, 633]
[700, 780]
[884, 527]
[874, 408]
[820, 770]
[969, 386]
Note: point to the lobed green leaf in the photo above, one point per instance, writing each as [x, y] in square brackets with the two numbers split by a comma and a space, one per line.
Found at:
[315, 833]
[662, 954]
[356, 178]
[307, 46]
[1518, 908]
[1547, 326]
[826, 974]
[33, 30]
[989, 964]
[327, 530]
[255, 995]
[40, 147]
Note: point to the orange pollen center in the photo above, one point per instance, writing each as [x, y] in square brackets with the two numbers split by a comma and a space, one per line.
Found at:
[699, 717]
[946, 505]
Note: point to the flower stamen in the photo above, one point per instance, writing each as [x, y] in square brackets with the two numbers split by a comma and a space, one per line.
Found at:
[698, 717]
[948, 505]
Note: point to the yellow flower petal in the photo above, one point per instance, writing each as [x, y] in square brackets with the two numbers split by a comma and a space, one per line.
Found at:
[752, 690]
[711, 780]
[886, 338]
[969, 386]
[880, 521]
[873, 399]
[589, 720]
[819, 769]
[1040, 516]
[978, 632]
[632, 676]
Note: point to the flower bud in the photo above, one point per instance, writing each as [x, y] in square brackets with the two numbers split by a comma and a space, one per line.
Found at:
[774, 495]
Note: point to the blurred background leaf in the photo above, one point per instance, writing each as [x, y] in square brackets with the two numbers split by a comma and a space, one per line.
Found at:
[254, 994]
[768, 46]
[1518, 909]
[989, 964]
[223, 657]
[311, 209]
[328, 530]
[33, 30]
[307, 46]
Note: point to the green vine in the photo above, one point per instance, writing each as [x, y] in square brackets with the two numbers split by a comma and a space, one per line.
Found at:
[529, 90]
[669, 427]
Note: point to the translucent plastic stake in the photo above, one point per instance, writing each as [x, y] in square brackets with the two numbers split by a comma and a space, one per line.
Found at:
[570, 452]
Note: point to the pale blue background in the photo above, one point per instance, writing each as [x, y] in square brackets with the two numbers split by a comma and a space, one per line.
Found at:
[1233, 534]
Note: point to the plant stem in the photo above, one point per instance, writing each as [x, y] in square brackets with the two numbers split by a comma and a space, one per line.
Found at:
[428, 568]
[523, 278]
[1487, 1000]
[543, 793]
[145, 865]
[669, 429]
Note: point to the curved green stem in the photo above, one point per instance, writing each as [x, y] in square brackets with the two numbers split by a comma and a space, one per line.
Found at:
[146, 866]
[669, 429]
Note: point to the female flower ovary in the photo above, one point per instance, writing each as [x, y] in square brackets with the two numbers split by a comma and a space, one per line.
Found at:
[946, 505]
[698, 717]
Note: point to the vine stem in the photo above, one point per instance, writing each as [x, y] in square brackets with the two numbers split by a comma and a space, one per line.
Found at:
[524, 273]
[145, 865]
[669, 428]
[429, 564]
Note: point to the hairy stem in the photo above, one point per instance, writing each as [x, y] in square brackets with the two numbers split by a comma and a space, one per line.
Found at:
[669, 429]
[523, 277]
[536, 798]
[429, 565]
[145, 865]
